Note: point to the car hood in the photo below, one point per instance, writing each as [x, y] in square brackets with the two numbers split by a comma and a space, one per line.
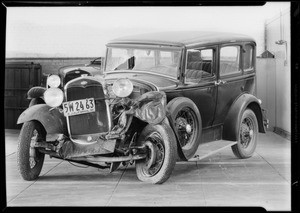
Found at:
[91, 68]
[159, 81]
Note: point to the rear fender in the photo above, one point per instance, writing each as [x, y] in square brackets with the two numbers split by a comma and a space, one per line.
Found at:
[53, 121]
[231, 124]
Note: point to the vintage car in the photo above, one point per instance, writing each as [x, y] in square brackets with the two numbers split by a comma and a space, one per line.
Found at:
[161, 98]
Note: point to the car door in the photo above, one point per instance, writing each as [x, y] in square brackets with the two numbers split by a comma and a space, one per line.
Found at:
[231, 82]
[199, 81]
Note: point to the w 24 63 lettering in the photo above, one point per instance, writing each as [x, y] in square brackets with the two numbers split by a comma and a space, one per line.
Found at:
[79, 107]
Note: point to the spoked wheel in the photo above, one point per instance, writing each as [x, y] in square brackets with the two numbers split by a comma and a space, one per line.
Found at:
[160, 143]
[187, 124]
[248, 131]
[30, 160]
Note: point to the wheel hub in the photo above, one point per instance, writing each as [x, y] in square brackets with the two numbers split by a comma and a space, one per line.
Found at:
[188, 128]
[246, 134]
[155, 154]
[182, 124]
[152, 154]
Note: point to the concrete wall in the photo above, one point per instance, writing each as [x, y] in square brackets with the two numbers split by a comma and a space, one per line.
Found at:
[266, 87]
[51, 65]
[278, 28]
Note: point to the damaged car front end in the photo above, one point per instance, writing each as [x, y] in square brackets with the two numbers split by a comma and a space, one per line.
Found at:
[97, 122]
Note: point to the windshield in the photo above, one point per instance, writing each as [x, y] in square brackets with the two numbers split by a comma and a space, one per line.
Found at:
[160, 61]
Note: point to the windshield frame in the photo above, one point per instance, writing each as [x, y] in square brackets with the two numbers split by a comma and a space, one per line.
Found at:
[145, 46]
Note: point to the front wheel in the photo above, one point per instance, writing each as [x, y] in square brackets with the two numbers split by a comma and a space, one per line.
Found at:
[161, 148]
[187, 124]
[30, 160]
[248, 131]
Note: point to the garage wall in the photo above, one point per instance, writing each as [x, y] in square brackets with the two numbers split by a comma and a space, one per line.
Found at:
[274, 74]
[278, 28]
[266, 87]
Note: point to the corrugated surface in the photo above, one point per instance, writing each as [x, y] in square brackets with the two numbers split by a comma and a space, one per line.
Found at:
[19, 78]
[90, 123]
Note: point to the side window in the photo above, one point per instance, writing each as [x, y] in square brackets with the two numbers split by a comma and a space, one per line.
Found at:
[248, 58]
[230, 60]
[199, 65]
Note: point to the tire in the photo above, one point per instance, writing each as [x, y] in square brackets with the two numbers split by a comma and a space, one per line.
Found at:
[247, 136]
[163, 140]
[30, 167]
[187, 124]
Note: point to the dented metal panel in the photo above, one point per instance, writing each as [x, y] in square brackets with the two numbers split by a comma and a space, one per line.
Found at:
[152, 107]
[70, 149]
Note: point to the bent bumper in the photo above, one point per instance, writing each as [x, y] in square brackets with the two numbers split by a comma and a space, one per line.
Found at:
[70, 149]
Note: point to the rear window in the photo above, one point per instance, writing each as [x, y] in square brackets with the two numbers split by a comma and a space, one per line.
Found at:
[248, 57]
[230, 60]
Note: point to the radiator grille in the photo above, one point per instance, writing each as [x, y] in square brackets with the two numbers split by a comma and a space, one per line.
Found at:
[90, 123]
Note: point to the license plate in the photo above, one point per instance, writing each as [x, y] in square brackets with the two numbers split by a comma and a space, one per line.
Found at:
[79, 107]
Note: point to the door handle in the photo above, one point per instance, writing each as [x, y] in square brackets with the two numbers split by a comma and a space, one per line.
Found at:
[219, 82]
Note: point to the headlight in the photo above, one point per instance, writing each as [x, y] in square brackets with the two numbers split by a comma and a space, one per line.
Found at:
[53, 97]
[53, 81]
[122, 87]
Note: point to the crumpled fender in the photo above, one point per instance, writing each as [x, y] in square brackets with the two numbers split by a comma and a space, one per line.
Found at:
[231, 124]
[52, 120]
[151, 107]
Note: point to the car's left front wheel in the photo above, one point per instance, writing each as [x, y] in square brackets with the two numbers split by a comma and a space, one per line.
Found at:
[30, 160]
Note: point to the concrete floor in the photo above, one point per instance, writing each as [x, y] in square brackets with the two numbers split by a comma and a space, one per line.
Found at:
[220, 180]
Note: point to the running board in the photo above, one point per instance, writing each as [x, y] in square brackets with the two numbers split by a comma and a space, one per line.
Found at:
[210, 148]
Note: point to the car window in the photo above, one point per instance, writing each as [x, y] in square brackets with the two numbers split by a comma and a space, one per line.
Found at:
[230, 60]
[165, 58]
[199, 65]
[158, 61]
[248, 57]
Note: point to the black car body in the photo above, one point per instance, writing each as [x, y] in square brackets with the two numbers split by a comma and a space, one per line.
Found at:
[159, 98]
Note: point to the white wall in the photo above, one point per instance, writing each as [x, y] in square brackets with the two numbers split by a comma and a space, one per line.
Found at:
[282, 73]
[266, 87]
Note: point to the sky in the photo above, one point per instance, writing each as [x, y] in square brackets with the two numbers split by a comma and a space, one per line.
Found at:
[84, 31]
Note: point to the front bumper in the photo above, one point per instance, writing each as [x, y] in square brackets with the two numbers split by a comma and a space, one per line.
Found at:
[70, 149]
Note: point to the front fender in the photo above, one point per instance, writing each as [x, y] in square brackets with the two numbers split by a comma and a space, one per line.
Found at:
[52, 120]
[36, 92]
[231, 124]
[150, 107]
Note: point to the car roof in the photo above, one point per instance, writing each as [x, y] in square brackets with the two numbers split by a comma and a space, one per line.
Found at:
[182, 38]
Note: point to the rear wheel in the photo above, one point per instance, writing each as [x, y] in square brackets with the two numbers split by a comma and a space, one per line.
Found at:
[30, 160]
[161, 148]
[248, 132]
